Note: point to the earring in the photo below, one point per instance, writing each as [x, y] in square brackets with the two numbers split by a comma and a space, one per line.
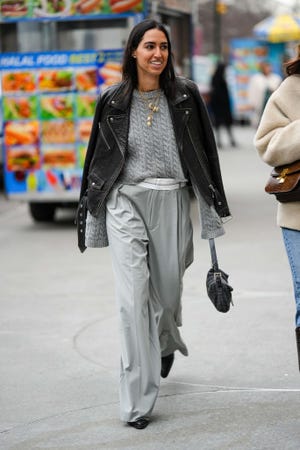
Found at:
[134, 56]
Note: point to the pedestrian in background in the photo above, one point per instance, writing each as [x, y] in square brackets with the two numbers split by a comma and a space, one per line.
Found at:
[278, 142]
[220, 104]
[151, 138]
[261, 86]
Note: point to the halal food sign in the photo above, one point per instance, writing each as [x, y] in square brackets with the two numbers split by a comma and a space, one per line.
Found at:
[16, 10]
[47, 107]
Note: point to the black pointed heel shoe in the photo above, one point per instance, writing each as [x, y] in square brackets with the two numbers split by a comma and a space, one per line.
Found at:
[140, 423]
[166, 364]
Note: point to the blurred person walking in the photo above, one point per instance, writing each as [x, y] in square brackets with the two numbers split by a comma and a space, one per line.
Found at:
[151, 138]
[261, 86]
[220, 104]
[278, 142]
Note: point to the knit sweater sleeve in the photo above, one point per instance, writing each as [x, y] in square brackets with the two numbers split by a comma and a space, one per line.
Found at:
[278, 135]
[211, 223]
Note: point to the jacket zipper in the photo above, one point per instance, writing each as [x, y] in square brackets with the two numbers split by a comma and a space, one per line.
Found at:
[113, 179]
[104, 138]
[208, 183]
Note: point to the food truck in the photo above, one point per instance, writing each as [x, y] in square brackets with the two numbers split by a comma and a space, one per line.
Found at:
[48, 97]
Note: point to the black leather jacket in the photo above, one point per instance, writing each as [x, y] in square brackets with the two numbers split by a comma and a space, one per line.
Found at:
[107, 146]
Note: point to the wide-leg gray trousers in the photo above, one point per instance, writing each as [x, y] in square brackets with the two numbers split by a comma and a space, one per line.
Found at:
[151, 244]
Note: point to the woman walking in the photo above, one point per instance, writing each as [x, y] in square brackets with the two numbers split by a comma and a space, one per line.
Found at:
[151, 138]
[278, 142]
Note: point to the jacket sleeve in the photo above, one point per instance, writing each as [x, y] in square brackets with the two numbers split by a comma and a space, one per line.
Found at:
[91, 146]
[277, 138]
[209, 145]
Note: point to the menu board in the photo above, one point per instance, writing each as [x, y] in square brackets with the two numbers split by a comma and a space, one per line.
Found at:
[16, 10]
[48, 102]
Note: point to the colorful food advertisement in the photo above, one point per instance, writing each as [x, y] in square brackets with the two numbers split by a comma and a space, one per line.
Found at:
[21, 133]
[20, 107]
[60, 157]
[55, 80]
[48, 103]
[86, 80]
[57, 106]
[23, 158]
[17, 10]
[85, 105]
[18, 81]
[245, 57]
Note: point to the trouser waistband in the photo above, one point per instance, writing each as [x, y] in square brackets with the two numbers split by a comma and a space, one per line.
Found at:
[162, 184]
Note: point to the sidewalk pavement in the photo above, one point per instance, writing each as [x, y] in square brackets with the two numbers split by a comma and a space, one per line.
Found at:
[239, 389]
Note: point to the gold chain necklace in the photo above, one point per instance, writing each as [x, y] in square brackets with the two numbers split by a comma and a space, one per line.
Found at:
[152, 105]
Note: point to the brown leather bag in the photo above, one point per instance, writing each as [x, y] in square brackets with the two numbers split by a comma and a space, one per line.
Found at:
[284, 182]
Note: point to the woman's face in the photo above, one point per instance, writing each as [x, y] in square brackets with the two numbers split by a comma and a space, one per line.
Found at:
[151, 54]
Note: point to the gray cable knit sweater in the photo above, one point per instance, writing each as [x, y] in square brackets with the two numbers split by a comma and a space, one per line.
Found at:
[152, 150]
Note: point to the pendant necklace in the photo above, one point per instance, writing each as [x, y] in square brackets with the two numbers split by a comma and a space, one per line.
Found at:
[152, 105]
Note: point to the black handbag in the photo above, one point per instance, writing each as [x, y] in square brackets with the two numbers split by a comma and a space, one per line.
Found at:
[218, 289]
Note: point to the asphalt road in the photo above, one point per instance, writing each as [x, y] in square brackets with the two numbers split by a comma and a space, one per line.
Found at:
[239, 389]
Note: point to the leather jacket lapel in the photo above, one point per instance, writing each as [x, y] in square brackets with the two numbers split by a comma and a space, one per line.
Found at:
[118, 117]
[180, 114]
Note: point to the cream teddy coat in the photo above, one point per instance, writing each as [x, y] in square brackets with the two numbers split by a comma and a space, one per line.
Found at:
[277, 139]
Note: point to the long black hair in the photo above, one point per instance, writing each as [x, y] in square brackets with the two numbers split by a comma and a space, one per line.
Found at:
[293, 66]
[129, 69]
